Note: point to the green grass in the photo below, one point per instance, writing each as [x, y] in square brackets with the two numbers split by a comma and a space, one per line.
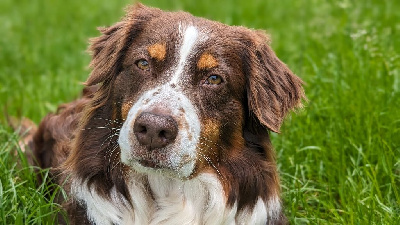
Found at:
[22, 199]
[339, 158]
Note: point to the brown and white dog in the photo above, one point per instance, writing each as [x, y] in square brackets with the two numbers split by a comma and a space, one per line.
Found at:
[173, 126]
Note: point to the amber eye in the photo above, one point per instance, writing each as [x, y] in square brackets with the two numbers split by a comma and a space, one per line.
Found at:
[214, 80]
[142, 64]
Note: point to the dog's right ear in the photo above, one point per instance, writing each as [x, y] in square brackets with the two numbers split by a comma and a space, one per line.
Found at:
[109, 49]
[272, 89]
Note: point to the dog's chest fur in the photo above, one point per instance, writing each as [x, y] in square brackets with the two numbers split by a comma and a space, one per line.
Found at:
[159, 200]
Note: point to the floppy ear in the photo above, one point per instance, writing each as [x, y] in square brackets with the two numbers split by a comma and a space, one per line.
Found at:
[109, 49]
[273, 90]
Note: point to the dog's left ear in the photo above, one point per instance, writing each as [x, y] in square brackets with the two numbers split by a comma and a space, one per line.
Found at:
[272, 89]
[109, 49]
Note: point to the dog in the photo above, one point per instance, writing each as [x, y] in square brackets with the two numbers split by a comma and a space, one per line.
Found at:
[173, 125]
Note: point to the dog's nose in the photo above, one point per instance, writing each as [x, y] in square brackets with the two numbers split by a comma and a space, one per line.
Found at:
[155, 131]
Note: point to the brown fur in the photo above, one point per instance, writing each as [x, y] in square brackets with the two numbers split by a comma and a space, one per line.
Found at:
[273, 88]
[259, 90]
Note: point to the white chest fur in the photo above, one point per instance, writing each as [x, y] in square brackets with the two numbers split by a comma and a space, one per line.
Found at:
[197, 201]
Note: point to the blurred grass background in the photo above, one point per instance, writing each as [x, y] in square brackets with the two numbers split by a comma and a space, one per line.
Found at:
[339, 158]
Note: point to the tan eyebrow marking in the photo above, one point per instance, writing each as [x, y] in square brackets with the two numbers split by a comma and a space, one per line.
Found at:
[207, 61]
[157, 51]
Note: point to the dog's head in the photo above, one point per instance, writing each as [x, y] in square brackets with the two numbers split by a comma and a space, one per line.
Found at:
[190, 92]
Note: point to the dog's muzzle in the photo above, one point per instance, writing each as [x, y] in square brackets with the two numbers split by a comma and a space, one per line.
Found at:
[161, 132]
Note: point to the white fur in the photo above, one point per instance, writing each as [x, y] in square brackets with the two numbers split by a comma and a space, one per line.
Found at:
[189, 41]
[99, 210]
[261, 213]
[197, 201]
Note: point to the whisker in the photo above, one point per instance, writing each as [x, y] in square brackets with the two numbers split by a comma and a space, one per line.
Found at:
[209, 161]
[114, 120]
[115, 164]
[110, 137]
[113, 149]
[92, 128]
[212, 142]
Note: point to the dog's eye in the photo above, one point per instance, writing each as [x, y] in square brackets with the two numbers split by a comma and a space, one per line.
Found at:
[214, 79]
[142, 64]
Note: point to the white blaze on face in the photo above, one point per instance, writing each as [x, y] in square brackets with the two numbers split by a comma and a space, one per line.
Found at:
[180, 156]
[189, 40]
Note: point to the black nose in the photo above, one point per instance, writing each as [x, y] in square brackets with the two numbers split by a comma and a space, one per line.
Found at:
[155, 131]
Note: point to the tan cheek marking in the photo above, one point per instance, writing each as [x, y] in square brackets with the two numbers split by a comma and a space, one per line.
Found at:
[211, 129]
[208, 144]
[126, 106]
[207, 61]
[157, 51]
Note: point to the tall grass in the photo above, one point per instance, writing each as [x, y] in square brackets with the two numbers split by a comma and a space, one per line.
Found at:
[22, 199]
[339, 158]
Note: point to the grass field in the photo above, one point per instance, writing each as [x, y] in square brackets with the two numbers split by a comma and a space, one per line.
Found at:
[339, 158]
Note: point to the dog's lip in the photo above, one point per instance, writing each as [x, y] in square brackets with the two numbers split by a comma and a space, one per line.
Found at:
[157, 163]
[149, 163]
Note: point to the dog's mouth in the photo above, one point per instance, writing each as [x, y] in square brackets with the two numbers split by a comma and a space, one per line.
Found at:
[161, 161]
[149, 164]
[156, 159]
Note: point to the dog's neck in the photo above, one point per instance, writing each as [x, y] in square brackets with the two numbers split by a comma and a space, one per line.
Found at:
[156, 199]
[200, 200]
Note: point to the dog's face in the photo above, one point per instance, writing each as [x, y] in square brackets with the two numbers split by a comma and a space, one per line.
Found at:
[180, 94]
[188, 89]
